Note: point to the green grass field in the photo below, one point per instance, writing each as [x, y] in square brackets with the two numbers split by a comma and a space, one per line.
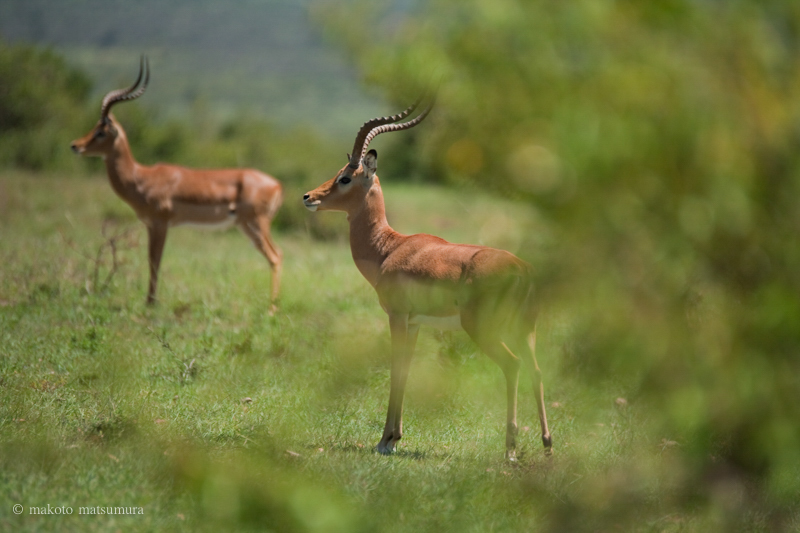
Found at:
[212, 416]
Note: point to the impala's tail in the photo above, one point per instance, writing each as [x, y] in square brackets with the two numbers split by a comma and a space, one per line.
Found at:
[275, 203]
[269, 193]
[531, 306]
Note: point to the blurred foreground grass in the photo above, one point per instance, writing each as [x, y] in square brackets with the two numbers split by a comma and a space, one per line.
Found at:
[211, 415]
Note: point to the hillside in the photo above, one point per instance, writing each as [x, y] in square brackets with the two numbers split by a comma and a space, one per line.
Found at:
[260, 58]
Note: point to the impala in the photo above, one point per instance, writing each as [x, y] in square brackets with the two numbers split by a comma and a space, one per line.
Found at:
[424, 280]
[165, 195]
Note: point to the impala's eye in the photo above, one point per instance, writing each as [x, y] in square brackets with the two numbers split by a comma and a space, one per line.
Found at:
[345, 180]
[100, 134]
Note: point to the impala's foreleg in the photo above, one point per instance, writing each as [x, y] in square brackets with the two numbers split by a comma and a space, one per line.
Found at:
[156, 238]
[404, 339]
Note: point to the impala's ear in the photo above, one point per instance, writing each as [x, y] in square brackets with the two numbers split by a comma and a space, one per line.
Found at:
[109, 124]
[370, 162]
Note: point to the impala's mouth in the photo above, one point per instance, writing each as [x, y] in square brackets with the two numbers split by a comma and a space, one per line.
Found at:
[311, 205]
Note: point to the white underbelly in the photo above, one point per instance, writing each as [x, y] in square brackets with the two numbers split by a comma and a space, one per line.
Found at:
[212, 225]
[210, 217]
[444, 323]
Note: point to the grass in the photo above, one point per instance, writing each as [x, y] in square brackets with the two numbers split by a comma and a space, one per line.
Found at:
[210, 415]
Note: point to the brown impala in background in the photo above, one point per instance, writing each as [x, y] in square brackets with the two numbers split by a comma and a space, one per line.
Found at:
[166, 195]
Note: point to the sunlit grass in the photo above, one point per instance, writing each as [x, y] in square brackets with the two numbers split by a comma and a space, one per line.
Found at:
[211, 415]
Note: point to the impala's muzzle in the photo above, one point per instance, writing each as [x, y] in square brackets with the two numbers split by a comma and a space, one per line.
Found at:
[310, 204]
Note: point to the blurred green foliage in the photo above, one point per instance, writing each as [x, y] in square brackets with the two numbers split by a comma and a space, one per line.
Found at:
[661, 143]
[40, 98]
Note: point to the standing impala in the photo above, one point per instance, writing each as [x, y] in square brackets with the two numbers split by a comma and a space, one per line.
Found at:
[422, 279]
[168, 195]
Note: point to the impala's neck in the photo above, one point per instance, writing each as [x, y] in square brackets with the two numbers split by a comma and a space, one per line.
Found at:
[120, 163]
[371, 237]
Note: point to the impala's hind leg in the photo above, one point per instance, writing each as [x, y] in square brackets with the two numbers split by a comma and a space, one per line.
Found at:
[527, 352]
[509, 363]
[258, 230]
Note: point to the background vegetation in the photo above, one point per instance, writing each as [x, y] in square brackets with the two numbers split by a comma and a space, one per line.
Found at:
[40, 99]
[648, 160]
[661, 143]
[263, 58]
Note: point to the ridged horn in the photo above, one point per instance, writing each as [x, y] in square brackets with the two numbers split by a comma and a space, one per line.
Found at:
[131, 93]
[359, 146]
[383, 128]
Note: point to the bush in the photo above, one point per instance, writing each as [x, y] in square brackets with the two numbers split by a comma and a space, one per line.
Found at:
[41, 102]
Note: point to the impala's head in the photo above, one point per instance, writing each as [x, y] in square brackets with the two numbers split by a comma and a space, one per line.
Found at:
[100, 140]
[347, 190]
